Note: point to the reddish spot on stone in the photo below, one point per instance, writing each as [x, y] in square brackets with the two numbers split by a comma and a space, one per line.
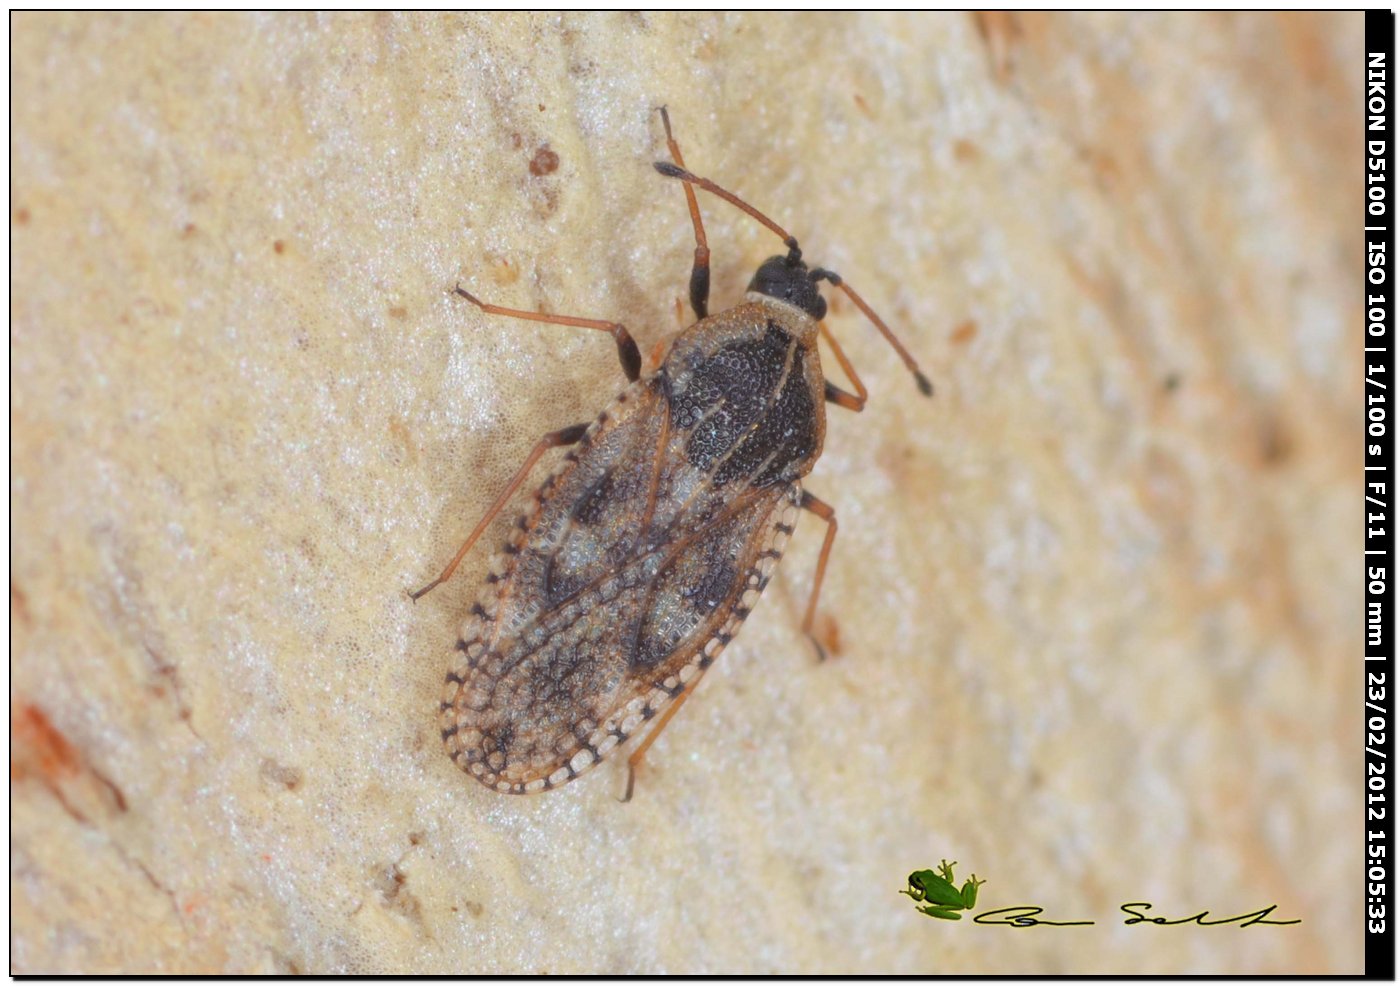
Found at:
[965, 151]
[965, 332]
[19, 603]
[545, 162]
[21, 216]
[278, 246]
[38, 747]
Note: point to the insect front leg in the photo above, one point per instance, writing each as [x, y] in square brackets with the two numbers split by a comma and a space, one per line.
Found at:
[675, 170]
[700, 269]
[834, 394]
[555, 439]
[627, 352]
[820, 274]
[826, 513]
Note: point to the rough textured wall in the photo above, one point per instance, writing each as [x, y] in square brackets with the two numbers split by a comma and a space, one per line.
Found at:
[1093, 606]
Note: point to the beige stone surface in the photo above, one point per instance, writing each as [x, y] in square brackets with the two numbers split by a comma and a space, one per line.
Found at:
[1096, 604]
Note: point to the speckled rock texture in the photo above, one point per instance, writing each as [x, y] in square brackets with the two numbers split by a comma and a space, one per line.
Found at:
[1093, 608]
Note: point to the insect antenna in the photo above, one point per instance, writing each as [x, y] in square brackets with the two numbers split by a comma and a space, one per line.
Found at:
[700, 269]
[819, 274]
[795, 253]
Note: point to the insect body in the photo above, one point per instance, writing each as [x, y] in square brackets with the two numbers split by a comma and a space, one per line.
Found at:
[646, 548]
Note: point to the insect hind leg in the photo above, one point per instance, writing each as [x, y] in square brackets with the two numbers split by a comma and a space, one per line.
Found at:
[635, 759]
[827, 513]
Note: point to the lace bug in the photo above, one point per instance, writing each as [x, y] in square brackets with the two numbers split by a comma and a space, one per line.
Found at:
[644, 550]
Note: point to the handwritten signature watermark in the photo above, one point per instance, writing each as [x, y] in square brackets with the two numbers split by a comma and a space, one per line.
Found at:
[936, 893]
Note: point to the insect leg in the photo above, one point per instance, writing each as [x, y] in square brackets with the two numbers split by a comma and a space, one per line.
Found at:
[852, 402]
[819, 274]
[564, 436]
[826, 513]
[700, 270]
[641, 751]
[627, 352]
[795, 253]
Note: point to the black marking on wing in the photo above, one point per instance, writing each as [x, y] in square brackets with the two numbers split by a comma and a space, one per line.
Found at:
[786, 435]
[686, 590]
[726, 392]
[602, 532]
[713, 585]
[591, 507]
[749, 409]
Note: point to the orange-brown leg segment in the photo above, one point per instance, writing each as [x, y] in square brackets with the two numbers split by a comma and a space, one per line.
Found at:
[826, 513]
[627, 352]
[925, 387]
[795, 253]
[700, 270]
[852, 402]
[564, 436]
[641, 751]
